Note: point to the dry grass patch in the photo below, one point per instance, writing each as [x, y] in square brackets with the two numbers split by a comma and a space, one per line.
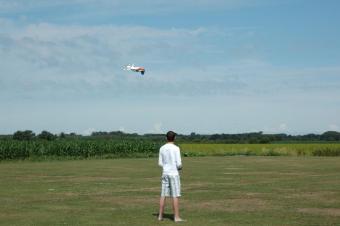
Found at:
[230, 205]
[334, 212]
[126, 201]
[322, 196]
[73, 179]
[197, 185]
[266, 173]
[129, 189]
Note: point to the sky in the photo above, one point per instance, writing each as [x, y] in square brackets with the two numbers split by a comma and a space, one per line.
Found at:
[212, 66]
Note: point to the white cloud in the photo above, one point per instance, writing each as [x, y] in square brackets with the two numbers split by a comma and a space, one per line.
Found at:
[157, 128]
[117, 7]
[52, 60]
[122, 129]
[283, 127]
[334, 127]
[88, 131]
[40, 59]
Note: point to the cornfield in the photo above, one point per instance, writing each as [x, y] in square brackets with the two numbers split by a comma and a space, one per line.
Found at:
[11, 149]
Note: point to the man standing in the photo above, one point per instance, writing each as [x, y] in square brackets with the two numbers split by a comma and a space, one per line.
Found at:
[170, 161]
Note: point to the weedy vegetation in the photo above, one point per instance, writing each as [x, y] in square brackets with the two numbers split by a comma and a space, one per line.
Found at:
[290, 149]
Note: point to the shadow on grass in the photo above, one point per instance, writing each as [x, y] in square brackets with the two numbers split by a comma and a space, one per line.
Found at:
[165, 216]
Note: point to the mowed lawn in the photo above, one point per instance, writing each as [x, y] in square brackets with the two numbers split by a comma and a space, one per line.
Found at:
[216, 191]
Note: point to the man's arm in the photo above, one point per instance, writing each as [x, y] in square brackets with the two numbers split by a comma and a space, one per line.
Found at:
[178, 160]
[160, 159]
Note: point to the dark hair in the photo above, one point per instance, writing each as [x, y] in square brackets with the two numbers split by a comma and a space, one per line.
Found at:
[170, 136]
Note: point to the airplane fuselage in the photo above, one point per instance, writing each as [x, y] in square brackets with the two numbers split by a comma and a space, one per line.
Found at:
[136, 69]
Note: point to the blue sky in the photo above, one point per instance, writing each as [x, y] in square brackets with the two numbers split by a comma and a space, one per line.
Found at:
[212, 66]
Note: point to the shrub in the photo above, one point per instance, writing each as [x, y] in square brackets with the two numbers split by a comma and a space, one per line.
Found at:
[327, 151]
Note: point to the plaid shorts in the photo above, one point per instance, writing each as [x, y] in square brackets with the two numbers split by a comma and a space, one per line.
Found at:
[171, 186]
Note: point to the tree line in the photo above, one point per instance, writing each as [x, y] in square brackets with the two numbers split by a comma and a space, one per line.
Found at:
[242, 138]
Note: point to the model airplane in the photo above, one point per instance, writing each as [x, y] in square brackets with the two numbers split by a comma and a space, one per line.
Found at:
[134, 68]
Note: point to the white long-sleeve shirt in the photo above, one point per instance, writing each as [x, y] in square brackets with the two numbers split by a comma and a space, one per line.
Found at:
[170, 159]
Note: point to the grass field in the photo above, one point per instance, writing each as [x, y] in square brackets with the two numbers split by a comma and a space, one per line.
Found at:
[216, 191]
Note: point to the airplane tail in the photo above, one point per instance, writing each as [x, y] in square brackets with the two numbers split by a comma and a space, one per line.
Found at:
[127, 67]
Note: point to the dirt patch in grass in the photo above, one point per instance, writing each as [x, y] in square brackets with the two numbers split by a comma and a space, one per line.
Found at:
[266, 173]
[126, 201]
[149, 189]
[8, 215]
[254, 194]
[323, 196]
[234, 168]
[72, 179]
[334, 212]
[230, 205]
[196, 186]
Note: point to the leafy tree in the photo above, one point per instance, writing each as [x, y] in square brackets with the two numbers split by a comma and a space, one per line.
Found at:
[45, 135]
[62, 135]
[331, 136]
[23, 135]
